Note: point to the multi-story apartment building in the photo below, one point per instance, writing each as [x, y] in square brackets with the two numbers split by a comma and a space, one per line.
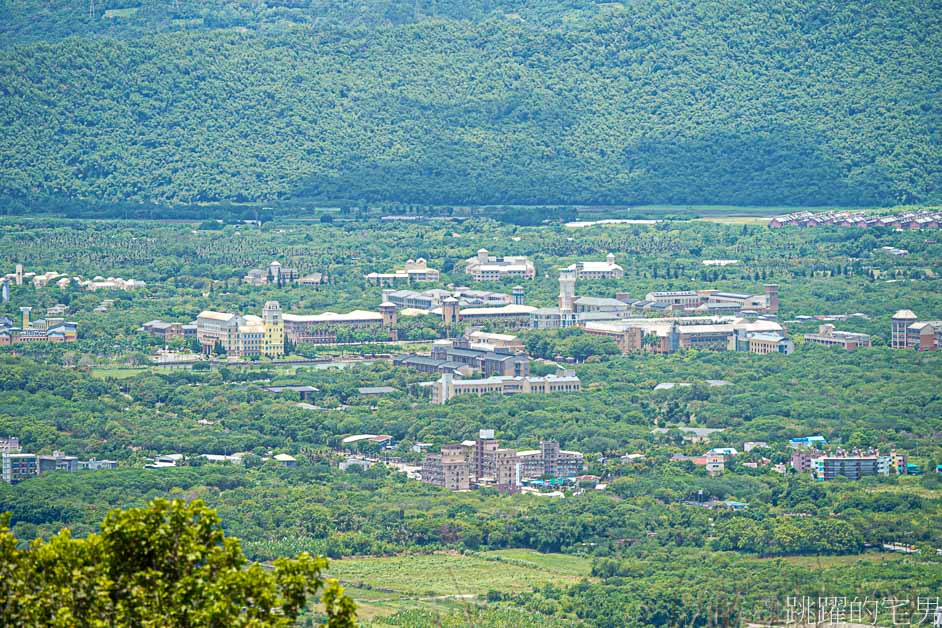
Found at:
[449, 469]
[831, 337]
[483, 462]
[414, 271]
[9, 444]
[487, 267]
[851, 467]
[908, 332]
[449, 387]
[549, 461]
[598, 270]
[18, 467]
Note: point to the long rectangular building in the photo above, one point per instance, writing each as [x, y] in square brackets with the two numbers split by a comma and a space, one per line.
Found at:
[449, 387]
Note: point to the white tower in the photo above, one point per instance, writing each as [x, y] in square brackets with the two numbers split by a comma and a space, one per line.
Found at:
[567, 290]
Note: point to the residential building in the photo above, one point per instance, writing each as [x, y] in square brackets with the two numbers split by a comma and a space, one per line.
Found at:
[908, 332]
[449, 469]
[483, 462]
[9, 444]
[18, 467]
[852, 467]
[487, 267]
[598, 270]
[414, 271]
[803, 459]
[924, 219]
[97, 465]
[58, 461]
[831, 337]
[807, 441]
[449, 386]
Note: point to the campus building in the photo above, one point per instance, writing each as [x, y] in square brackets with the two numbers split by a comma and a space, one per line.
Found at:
[669, 334]
[487, 267]
[598, 270]
[323, 328]
[908, 332]
[715, 301]
[414, 271]
[830, 337]
[450, 386]
[243, 336]
[431, 300]
[50, 329]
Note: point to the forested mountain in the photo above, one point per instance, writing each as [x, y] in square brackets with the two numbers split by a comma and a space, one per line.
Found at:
[505, 101]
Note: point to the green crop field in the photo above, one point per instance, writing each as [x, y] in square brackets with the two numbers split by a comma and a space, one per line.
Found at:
[447, 582]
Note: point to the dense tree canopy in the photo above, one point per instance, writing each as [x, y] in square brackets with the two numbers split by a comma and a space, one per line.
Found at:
[168, 564]
[671, 102]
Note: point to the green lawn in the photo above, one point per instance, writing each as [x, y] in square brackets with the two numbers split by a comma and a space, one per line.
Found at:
[118, 372]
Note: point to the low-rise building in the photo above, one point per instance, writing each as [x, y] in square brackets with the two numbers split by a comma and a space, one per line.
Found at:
[414, 271]
[830, 337]
[17, 467]
[500, 361]
[598, 270]
[449, 387]
[487, 267]
[48, 329]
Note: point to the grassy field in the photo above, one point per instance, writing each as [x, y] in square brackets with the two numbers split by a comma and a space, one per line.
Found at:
[118, 372]
[449, 582]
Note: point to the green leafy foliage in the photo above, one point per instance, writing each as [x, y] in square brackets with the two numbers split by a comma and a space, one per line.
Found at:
[168, 564]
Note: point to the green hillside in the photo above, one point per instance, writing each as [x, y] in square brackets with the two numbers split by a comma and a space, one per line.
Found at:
[651, 101]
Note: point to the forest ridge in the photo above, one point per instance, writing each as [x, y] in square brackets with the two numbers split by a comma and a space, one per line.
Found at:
[744, 103]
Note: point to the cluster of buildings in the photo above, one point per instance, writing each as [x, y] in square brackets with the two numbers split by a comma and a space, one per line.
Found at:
[61, 280]
[852, 465]
[926, 219]
[430, 301]
[484, 463]
[16, 467]
[414, 271]
[830, 337]
[479, 353]
[276, 274]
[249, 336]
[49, 329]
[908, 332]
